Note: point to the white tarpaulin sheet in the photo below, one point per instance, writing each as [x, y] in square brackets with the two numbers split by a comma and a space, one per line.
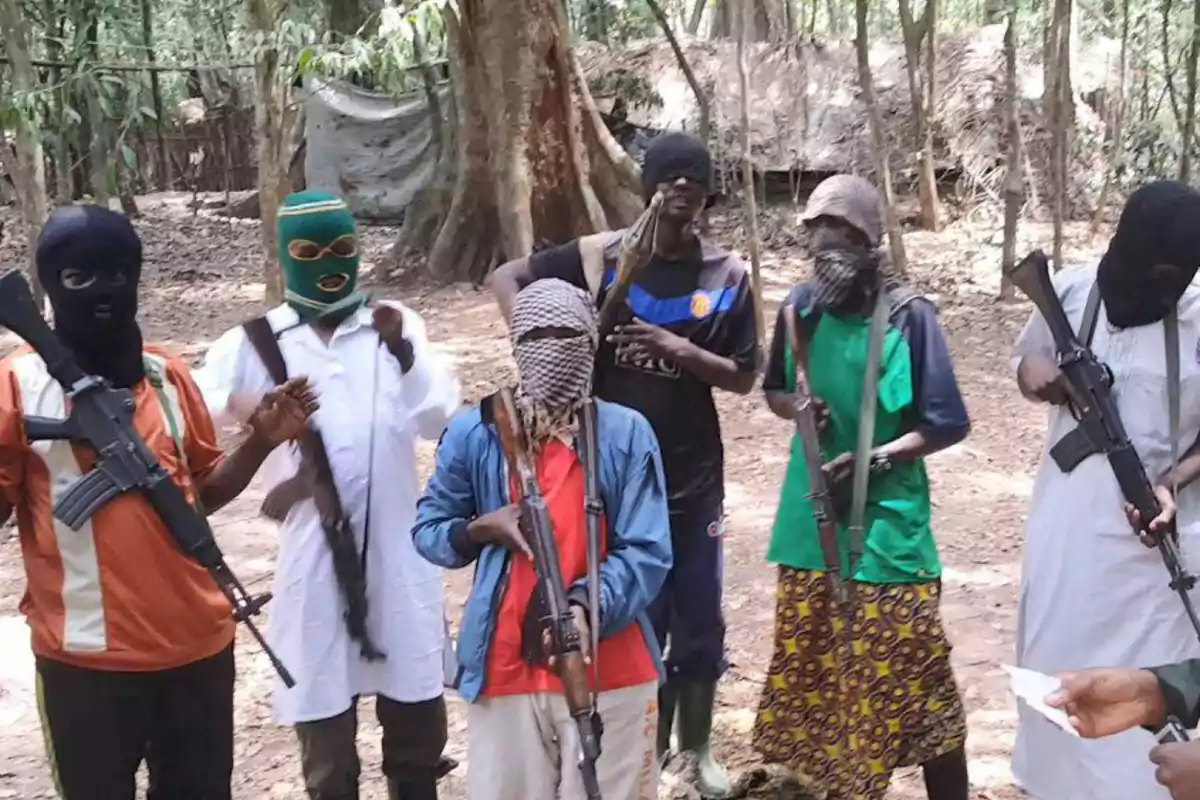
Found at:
[374, 150]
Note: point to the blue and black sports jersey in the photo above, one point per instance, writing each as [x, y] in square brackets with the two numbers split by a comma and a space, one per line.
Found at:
[704, 297]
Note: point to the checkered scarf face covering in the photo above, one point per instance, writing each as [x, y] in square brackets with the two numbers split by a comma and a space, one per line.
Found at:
[554, 337]
[842, 275]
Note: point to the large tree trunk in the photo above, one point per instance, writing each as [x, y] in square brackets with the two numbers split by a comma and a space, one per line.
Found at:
[27, 168]
[101, 172]
[879, 144]
[1014, 183]
[693, 25]
[916, 33]
[535, 162]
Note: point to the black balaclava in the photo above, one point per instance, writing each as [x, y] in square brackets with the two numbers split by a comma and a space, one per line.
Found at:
[95, 310]
[673, 156]
[1159, 228]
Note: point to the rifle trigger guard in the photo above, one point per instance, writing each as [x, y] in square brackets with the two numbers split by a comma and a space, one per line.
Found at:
[594, 508]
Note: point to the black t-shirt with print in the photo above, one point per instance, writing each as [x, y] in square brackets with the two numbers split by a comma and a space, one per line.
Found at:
[704, 297]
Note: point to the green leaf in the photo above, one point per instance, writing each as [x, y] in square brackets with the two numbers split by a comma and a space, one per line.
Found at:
[129, 156]
[148, 112]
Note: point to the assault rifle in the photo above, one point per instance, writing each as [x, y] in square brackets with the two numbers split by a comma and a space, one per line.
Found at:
[551, 595]
[1089, 384]
[637, 248]
[349, 566]
[102, 417]
[805, 419]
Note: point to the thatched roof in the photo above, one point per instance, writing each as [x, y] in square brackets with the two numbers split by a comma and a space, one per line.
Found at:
[806, 112]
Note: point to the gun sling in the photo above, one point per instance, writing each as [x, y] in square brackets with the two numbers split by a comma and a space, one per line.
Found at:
[329, 509]
[1069, 451]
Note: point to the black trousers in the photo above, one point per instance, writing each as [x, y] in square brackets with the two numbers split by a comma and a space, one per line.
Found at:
[414, 736]
[101, 725]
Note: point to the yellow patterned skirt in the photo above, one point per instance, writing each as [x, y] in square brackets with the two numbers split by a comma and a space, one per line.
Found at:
[847, 706]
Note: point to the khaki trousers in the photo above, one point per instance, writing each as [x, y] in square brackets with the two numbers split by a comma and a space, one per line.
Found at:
[525, 747]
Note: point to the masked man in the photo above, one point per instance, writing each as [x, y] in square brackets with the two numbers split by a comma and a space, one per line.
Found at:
[862, 685]
[523, 742]
[380, 387]
[1091, 594]
[133, 640]
[690, 327]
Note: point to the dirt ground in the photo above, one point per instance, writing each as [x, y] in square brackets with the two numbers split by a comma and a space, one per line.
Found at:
[202, 276]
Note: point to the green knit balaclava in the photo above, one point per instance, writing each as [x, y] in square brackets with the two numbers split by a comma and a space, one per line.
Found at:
[319, 253]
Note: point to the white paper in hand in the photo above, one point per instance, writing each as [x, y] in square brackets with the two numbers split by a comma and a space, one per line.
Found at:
[1032, 687]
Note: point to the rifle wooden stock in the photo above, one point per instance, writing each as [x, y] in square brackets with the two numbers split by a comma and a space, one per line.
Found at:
[637, 248]
[566, 644]
[805, 420]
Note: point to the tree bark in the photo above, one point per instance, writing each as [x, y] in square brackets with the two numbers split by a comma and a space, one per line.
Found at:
[837, 20]
[1116, 144]
[1189, 109]
[162, 161]
[879, 145]
[1014, 183]
[916, 33]
[534, 161]
[53, 16]
[271, 133]
[749, 202]
[27, 168]
[87, 26]
[767, 22]
[702, 108]
[693, 26]
[1062, 119]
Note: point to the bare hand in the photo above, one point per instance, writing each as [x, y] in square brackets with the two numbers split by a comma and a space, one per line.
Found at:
[283, 413]
[579, 616]
[279, 501]
[1178, 768]
[839, 470]
[388, 322]
[820, 413]
[1041, 379]
[658, 342]
[1103, 702]
[501, 527]
[1160, 525]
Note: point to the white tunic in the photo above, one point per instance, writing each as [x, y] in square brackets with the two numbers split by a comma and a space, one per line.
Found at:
[369, 417]
[1091, 594]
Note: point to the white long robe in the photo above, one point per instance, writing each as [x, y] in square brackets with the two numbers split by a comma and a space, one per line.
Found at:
[370, 416]
[1091, 594]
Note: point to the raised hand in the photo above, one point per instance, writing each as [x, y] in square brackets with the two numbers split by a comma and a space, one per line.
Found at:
[283, 412]
[388, 322]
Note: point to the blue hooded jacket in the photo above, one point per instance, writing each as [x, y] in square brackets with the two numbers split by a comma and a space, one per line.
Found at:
[470, 479]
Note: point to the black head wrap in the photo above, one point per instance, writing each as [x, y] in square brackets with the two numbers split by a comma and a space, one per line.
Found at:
[673, 156]
[95, 311]
[1153, 255]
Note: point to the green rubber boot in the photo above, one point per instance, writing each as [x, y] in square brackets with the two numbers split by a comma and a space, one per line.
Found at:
[667, 696]
[695, 728]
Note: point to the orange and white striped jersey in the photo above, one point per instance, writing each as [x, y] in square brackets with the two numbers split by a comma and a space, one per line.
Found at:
[117, 594]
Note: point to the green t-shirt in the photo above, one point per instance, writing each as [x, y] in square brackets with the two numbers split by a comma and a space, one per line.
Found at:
[917, 389]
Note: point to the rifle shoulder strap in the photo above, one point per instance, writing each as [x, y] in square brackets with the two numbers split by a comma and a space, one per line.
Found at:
[594, 506]
[262, 338]
[1171, 334]
[866, 427]
[1091, 313]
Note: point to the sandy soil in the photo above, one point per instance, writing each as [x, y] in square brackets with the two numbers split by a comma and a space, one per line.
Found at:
[202, 276]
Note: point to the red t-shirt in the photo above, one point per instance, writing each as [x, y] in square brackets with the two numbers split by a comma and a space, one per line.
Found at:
[624, 658]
